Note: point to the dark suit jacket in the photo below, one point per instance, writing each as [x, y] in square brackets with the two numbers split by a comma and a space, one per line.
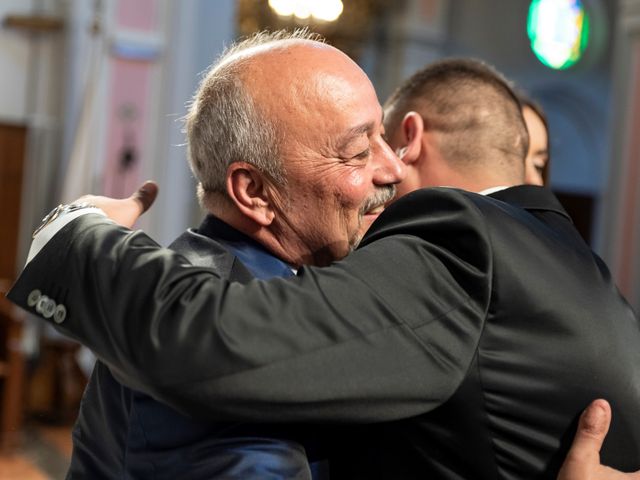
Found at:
[485, 327]
[409, 448]
[124, 433]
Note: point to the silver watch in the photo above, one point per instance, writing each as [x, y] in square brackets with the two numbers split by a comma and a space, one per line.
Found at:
[60, 210]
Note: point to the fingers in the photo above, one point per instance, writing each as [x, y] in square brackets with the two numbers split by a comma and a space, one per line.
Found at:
[145, 195]
[592, 429]
[593, 425]
[606, 473]
[583, 459]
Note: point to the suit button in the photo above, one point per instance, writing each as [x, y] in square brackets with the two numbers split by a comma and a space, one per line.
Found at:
[46, 306]
[40, 304]
[60, 314]
[33, 297]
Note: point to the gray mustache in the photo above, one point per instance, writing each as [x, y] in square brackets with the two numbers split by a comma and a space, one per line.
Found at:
[380, 197]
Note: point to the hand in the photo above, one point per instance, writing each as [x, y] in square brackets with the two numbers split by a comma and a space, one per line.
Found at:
[125, 211]
[583, 459]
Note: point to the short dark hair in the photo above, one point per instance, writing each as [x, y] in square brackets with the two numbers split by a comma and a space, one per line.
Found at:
[471, 107]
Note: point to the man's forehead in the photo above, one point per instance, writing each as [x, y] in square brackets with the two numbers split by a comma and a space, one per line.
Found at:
[312, 89]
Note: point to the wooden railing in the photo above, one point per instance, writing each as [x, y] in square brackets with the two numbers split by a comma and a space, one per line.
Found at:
[13, 139]
[11, 369]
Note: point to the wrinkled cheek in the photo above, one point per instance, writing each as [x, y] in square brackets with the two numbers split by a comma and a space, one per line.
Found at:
[357, 179]
[354, 190]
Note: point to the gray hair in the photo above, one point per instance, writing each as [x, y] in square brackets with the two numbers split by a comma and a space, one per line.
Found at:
[225, 125]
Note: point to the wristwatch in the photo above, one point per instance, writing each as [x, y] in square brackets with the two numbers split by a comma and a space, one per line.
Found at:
[60, 210]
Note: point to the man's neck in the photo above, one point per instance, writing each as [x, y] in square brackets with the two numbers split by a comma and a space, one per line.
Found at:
[258, 233]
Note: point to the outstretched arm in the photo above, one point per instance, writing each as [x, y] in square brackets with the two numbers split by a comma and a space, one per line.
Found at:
[358, 341]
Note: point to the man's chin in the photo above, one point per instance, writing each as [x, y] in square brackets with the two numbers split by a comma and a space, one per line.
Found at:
[365, 223]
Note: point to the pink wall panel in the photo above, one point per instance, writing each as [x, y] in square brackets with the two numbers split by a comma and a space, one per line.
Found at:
[128, 120]
[137, 14]
[129, 91]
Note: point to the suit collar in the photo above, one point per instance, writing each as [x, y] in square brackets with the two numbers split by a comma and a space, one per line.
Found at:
[206, 251]
[262, 263]
[216, 229]
[531, 197]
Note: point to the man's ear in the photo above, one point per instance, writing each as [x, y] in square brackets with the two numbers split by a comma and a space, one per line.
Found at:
[251, 193]
[412, 128]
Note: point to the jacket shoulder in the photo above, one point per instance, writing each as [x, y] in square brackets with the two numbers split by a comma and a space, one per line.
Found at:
[203, 251]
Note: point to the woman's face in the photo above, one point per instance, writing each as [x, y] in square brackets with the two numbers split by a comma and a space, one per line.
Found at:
[538, 154]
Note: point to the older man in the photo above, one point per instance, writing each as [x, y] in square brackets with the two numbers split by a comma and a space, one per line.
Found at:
[444, 318]
[257, 165]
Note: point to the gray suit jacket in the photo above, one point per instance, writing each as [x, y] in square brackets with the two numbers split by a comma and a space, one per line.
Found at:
[485, 327]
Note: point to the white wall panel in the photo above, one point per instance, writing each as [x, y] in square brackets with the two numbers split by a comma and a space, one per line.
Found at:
[14, 64]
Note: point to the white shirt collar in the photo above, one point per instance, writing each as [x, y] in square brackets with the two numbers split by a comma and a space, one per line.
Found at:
[489, 191]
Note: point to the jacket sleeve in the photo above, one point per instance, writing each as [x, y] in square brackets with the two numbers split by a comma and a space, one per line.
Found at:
[387, 333]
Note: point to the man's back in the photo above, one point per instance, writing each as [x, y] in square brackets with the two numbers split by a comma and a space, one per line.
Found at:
[556, 334]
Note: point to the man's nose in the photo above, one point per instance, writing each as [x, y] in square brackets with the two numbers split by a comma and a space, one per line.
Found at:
[389, 169]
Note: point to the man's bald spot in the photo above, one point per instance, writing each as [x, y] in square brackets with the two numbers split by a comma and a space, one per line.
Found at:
[271, 47]
[292, 65]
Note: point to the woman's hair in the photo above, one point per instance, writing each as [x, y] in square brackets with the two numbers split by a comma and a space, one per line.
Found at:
[526, 101]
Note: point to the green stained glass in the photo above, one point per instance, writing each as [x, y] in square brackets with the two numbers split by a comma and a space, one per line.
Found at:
[558, 31]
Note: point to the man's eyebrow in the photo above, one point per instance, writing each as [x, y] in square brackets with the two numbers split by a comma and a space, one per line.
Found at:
[355, 132]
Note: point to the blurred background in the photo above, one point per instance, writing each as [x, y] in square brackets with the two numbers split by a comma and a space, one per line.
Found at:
[92, 92]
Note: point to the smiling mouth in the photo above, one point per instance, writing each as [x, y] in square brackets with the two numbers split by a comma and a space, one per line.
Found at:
[375, 204]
